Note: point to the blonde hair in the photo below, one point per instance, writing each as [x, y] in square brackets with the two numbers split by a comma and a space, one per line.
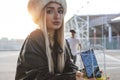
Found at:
[37, 10]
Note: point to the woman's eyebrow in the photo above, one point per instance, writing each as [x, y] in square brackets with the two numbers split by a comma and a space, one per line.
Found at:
[60, 8]
[50, 7]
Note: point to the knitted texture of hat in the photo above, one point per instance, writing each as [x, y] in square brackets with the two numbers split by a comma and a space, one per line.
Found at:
[35, 7]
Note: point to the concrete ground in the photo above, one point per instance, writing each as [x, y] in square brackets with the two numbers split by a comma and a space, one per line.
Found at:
[8, 60]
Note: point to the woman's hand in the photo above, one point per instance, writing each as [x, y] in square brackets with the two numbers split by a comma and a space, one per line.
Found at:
[79, 75]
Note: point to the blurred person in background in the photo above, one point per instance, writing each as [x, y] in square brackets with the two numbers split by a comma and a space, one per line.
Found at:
[74, 45]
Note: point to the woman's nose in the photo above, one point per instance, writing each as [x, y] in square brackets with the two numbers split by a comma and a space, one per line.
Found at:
[56, 15]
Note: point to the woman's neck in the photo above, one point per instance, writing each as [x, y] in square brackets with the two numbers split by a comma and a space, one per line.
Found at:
[51, 35]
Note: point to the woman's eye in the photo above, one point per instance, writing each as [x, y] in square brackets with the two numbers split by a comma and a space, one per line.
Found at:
[60, 11]
[49, 11]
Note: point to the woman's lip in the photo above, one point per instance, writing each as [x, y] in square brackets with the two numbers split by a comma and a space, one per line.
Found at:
[56, 22]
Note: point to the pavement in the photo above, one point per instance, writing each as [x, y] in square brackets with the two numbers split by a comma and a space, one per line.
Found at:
[109, 63]
[8, 63]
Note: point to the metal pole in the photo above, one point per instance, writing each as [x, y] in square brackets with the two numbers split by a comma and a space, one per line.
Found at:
[88, 27]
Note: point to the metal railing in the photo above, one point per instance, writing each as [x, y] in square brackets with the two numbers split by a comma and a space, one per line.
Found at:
[113, 45]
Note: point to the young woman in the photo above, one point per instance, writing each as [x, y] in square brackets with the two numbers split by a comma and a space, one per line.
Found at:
[43, 55]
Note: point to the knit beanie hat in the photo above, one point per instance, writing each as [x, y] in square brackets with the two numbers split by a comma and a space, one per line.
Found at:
[35, 7]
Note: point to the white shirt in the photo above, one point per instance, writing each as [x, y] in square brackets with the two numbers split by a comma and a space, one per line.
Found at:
[73, 42]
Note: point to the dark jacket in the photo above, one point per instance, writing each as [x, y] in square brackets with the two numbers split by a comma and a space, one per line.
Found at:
[32, 62]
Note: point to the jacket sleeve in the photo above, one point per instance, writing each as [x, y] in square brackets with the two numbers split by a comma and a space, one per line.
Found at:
[69, 65]
[32, 62]
[70, 68]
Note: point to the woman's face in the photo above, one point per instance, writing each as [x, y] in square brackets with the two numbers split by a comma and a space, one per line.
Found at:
[54, 16]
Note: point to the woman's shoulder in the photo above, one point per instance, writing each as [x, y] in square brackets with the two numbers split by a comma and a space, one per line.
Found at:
[36, 37]
[37, 33]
